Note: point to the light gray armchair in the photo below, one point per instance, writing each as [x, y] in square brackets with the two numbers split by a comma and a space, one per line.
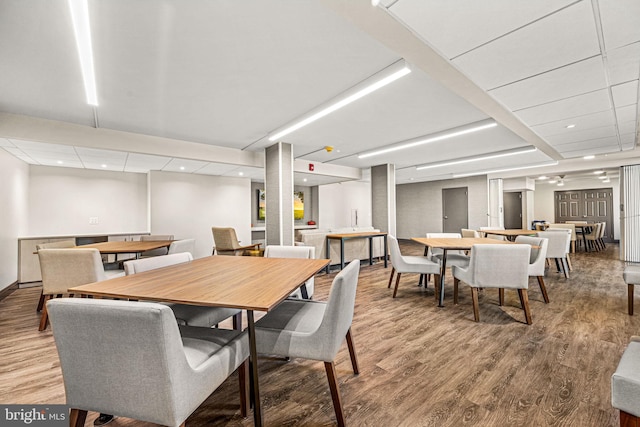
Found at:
[190, 315]
[537, 260]
[62, 244]
[625, 385]
[65, 268]
[315, 330]
[184, 245]
[409, 264]
[496, 266]
[132, 359]
[309, 252]
[558, 248]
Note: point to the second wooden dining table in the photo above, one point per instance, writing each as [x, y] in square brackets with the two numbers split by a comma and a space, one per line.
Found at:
[447, 244]
[248, 283]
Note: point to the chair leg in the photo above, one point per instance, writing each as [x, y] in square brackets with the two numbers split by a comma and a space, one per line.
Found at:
[565, 267]
[569, 263]
[393, 270]
[352, 352]
[395, 290]
[558, 265]
[243, 376]
[77, 418]
[40, 302]
[543, 289]
[630, 299]
[524, 298]
[628, 420]
[501, 297]
[335, 392]
[476, 311]
[44, 317]
[456, 281]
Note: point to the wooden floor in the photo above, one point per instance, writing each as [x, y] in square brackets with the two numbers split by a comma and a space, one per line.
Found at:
[420, 365]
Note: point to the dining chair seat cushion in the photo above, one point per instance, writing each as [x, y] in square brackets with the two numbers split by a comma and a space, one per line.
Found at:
[290, 320]
[200, 344]
[625, 381]
[417, 264]
[452, 259]
[631, 275]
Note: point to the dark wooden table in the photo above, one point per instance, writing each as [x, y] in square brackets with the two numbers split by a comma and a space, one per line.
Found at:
[348, 236]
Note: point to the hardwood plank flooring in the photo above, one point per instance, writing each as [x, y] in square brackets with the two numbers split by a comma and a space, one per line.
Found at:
[420, 365]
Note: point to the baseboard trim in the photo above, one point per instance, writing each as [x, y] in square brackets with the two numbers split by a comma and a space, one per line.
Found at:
[8, 290]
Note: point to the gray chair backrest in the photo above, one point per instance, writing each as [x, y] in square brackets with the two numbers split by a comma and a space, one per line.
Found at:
[395, 255]
[135, 345]
[466, 232]
[156, 237]
[437, 251]
[185, 245]
[65, 268]
[566, 226]
[147, 264]
[500, 266]
[559, 242]
[64, 244]
[538, 255]
[308, 252]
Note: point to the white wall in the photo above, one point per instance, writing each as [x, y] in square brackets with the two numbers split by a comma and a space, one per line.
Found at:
[419, 205]
[61, 201]
[187, 206]
[337, 201]
[544, 199]
[14, 184]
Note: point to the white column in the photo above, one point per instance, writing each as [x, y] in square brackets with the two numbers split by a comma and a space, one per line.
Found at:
[496, 206]
[383, 198]
[630, 213]
[279, 194]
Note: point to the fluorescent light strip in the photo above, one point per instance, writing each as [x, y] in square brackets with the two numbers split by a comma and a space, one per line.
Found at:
[495, 155]
[487, 172]
[81, 28]
[341, 102]
[437, 137]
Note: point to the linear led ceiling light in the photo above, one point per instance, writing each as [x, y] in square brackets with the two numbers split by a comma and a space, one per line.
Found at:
[451, 133]
[371, 84]
[494, 155]
[82, 30]
[487, 172]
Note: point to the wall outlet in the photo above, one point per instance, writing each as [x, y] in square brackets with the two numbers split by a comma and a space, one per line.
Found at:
[93, 220]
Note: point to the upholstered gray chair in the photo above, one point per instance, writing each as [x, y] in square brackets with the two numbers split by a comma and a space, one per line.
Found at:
[409, 264]
[154, 238]
[63, 244]
[487, 233]
[132, 359]
[180, 246]
[65, 268]
[593, 238]
[496, 266]
[226, 242]
[315, 330]
[625, 385]
[467, 232]
[309, 252]
[558, 248]
[631, 277]
[537, 260]
[454, 257]
[190, 315]
[567, 226]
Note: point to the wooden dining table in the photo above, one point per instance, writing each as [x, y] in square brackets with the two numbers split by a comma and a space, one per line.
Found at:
[453, 243]
[511, 233]
[127, 247]
[247, 283]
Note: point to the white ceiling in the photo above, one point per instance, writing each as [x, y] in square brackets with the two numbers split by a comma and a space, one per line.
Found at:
[227, 73]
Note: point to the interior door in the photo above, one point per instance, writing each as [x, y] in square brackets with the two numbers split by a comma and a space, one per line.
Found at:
[512, 202]
[595, 205]
[455, 209]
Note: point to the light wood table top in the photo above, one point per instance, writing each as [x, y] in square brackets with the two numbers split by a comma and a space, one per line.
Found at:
[356, 235]
[464, 243]
[250, 283]
[126, 247]
[511, 232]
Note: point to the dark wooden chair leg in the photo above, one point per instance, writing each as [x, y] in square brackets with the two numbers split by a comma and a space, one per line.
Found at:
[44, 317]
[565, 267]
[543, 289]
[352, 352]
[335, 392]
[501, 297]
[628, 420]
[40, 302]
[456, 282]
[476, 310]
[393, 270]
[630, 299]
[395, 290]
[243, 376]
[237, 321]
[524, 297]
[77, 418]
[569, 262]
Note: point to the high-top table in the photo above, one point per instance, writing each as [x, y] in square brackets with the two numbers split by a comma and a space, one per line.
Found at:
[348, 236]
[127, 247]
[446, 244]
[248, 283]
[511, 233]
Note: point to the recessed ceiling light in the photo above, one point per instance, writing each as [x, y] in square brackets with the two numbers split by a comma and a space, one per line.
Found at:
[553, 181]
[598, 172]
[104, 166]
[375, 2]
[181, 168]
[543, 177]
[494, 155]
[560, 184]
[602, 177]
[304, 180]
[59, 162]
[82, 31]
[240, 173]
[589, 157]
[606, 180]
[571, 126]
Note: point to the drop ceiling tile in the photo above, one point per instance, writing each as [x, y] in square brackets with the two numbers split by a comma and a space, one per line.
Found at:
[4, 142]
[627, 127]
[42, 146]
[183, 165]
[619, 22]
[52, 156]
[628, 139]
[627, 114]
[623, 63]
[216, 169]
[581, 135]
[588, 121]
[66, 163]
[103, 166]
[591, 151]
[143, 163]
[588, 144]
[246, 172]
[571, 80]
[88, 153]
[562, 38]
[625, 94]
[576, 106]
[454, 27]
[20, 154]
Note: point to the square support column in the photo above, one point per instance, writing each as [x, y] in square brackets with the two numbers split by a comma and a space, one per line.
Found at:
[279, 194]
[383, 198]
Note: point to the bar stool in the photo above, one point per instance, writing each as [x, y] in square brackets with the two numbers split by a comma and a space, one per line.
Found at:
[631, 277]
